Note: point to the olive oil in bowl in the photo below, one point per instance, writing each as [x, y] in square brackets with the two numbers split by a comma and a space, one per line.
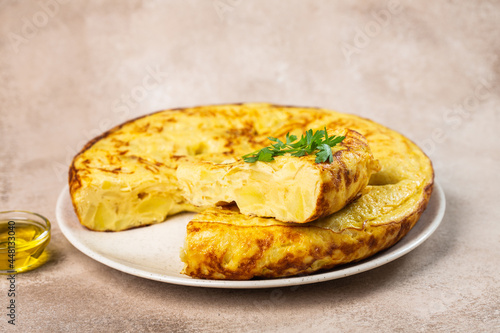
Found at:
[23, 238]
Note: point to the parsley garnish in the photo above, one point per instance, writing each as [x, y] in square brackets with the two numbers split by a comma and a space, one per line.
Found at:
[318, 142]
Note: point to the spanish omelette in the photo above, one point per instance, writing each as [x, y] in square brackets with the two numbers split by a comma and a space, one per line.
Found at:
[126, 178]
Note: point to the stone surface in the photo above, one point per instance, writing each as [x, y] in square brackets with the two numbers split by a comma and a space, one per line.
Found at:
[430, 70]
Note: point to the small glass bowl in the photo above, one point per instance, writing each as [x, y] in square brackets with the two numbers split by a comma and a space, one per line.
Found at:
[23, 238]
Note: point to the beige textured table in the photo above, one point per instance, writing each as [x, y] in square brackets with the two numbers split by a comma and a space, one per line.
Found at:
[431, 70]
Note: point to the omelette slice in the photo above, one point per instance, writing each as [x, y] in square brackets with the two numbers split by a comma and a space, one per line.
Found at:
[290, 189]
[222, 243]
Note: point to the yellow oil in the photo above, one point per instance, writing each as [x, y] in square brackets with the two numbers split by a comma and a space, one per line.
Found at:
[24, 242]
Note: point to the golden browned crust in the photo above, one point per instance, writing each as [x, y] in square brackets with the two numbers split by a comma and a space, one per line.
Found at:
[343, 177]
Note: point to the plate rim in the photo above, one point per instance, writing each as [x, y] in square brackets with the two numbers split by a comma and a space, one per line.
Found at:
[367, 264]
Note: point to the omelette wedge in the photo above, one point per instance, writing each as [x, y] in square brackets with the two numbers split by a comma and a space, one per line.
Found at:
[290, 189]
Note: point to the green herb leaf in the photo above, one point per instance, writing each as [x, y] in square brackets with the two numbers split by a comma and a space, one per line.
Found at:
[324, 154]
[318, 143]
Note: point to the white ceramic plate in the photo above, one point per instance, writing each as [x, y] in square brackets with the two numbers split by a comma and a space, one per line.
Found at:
[153, 252]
